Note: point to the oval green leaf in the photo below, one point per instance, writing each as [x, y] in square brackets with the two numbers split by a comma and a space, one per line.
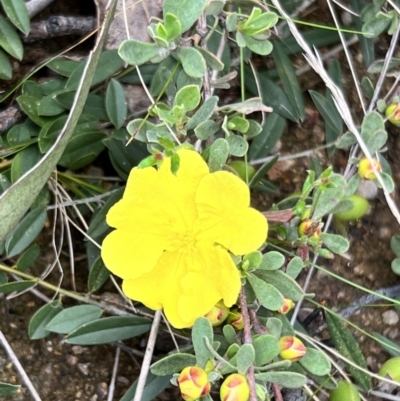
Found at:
[37, 325]
[116, 106]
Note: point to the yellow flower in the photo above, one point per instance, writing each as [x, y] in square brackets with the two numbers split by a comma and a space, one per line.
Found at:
[173, 234]
[193, 383]
[235, 388]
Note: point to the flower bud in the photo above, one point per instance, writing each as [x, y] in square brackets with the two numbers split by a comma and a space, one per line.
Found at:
[310, 228]
[235, 388]
[392, 113]
[286, 307]
[292, 348]
[235, 318]
[217, 314]
[365, 169]
[193, 383]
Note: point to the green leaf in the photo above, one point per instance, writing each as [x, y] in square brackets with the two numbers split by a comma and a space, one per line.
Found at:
[187, 11]
[202, 329]
[70, 319]
[335, 243]
[203, 113]
[5, 66]
[387, 180]
[192, 61]
[262, 144]
[26, 232]
[219, 152]
[98, 275]
[390, 346]
[245, 358]
[49, 107]
[395, 265]
[171, 364]
[64, 67]
[8, 389]
[206, 129]
[271, 93]
[377, 141]
[116, 106]
[283, 283]
[266, 348]
[135, 52]
[154, 386]
[289, 80]
[16, 286]
[268, 296]
[28, 258]
[316, 362]
[3, 277]
[294, 267]
[272, 261]
[284, 379]
[344, 391]
[376, 25]
[109, 63]
[9, 39]
[24, 161]
[329, 113]
[395, 244]
[108, 330]
[230, 334]
[211, 59]
[17, 199]
[17, 12]
[30, 106]
[327, 201]
[261, 47]
[372, 123]
[346, 344]
[37, 325]
[188, 97]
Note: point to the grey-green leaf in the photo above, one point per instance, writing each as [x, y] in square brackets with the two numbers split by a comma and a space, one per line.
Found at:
[268, 296]
[203, 113]
[98, 275]
[5, 66]
[284, 379]
[327, 201]
[335, 243]
[70, 319]
[245, 358]
[192, 61]
[37, 325]
[108, 330]
[206, 129]
[116, 106]
[28, 258]
[135, 52]
[266, 348]
[171, 364]
[17, 13]
[202, 329]
[187, 11]
[316, 362]
[283, 283]
[272, 260]
[294, 267]
[8, 389]
[219, 153]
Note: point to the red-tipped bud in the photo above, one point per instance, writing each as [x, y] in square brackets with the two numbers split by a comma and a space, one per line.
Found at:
[193, 383]
[217, 314]
[292, 349]
[392, 113]
[235, 388]
[365, 169]
[310, 228]
[235, 318]
[286, 307]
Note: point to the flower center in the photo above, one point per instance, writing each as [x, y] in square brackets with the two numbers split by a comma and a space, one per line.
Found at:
[184, 242]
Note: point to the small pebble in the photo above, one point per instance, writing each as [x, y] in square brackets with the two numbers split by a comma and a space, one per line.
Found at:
[390, 317]
[84, 368]
[72, 360]
[102, 390]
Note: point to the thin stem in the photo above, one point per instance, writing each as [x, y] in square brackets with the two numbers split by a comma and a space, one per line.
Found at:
[248, 340]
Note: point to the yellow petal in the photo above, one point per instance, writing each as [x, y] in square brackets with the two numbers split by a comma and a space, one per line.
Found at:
[225, 216]
[129, 254]
[187, 285]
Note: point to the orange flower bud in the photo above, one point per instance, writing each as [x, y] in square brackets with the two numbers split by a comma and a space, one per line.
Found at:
[235, 388]
[365, 169]
[235, 318]
[310, 228]
[286, 307]
[193, 383]
[292, 348]
[392, 113]
[217, 314]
